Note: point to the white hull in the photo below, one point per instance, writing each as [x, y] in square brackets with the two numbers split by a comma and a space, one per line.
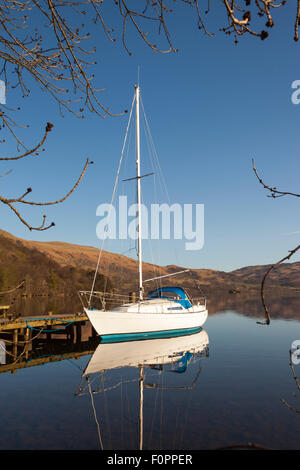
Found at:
[122, 321]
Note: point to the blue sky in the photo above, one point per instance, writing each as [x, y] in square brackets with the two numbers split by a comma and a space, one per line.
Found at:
[211, 107]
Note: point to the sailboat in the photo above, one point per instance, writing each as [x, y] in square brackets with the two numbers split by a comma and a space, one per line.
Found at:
[166, 311]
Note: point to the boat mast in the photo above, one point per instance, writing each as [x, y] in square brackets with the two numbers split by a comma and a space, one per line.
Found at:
[138, 170]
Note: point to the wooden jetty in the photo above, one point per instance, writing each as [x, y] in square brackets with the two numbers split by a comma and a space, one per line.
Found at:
[25, 363]
[8, 322]
[20, 330]
[72, 336]
[4, 310]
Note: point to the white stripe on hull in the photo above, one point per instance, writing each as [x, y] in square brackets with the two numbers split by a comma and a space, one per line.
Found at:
[116, 322]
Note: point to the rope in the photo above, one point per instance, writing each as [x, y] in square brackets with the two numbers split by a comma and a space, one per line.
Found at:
[22, 342]
[53, 329]
[24, 349]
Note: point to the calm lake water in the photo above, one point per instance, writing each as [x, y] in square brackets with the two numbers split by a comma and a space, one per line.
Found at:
[230, 384]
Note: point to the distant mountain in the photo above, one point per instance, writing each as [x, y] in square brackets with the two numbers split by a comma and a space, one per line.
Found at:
[72, 267]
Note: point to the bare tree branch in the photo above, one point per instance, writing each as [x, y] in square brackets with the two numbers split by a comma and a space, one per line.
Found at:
[32, 151]
[273, 190]
[10, 202]
[5, 174]
[274, 193]
[268, 318]
[47, 44]
[9, 291]
[292, 408]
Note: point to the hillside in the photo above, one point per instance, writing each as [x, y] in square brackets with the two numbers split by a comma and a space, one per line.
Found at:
[42, 274]
[74, 265]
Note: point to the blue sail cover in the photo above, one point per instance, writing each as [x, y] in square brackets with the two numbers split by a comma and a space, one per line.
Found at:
[183, 299]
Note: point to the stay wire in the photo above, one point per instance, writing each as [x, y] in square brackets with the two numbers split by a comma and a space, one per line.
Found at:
[112, 199]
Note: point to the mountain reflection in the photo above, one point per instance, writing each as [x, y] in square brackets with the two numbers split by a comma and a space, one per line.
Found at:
[250, 305]
[280, 307]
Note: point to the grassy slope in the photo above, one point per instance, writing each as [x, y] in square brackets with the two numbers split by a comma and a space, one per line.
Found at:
[66, 266]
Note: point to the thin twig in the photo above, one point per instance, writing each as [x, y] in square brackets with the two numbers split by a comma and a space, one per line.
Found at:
[274, 191]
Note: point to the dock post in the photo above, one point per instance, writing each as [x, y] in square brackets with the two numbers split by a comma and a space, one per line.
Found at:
[132, 297]
[15, 342]
[26, 339]
[27, 334]
[78, 333]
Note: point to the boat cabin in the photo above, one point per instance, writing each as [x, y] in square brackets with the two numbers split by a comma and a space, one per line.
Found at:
[177, 294]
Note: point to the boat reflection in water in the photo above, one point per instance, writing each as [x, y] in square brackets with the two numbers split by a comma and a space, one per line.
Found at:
[165, 354]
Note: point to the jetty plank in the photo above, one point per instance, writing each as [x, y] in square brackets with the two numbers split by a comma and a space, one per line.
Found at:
[40, 322]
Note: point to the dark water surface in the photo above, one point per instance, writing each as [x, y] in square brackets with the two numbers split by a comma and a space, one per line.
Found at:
[239, 389]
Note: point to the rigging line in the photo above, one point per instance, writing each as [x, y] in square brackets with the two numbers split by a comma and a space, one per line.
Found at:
[113, 195]
[155, 168]
[106, 406]
[176, 428]
[157, 269]
[124, 243]
[184, 419]
[125, 163]
[121, 412]
[127, 138]
[154, 150]
[153, 417]
[125, 167]
[71, 361]
[161, 412]
[129, 417]
[82, 304]
[158, 166]
[95, 415]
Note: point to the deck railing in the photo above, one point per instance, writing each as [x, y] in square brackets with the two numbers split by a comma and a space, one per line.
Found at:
[198, 301]
[105, 300]
[109, 300]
